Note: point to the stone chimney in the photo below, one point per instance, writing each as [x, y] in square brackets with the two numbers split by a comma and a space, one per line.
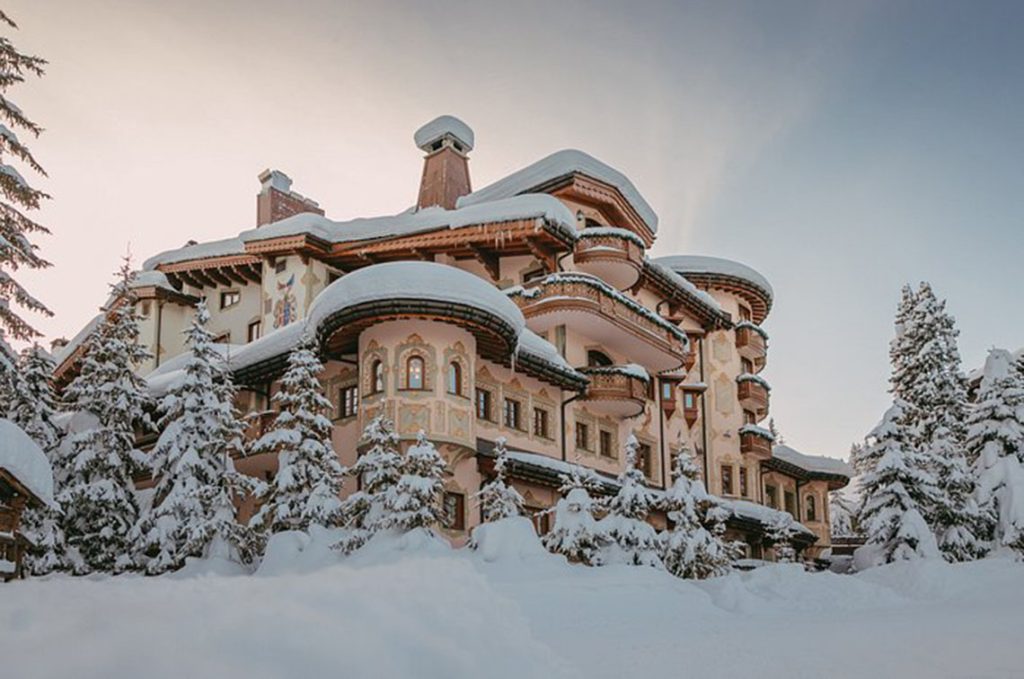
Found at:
[447, 142]
[276, 200]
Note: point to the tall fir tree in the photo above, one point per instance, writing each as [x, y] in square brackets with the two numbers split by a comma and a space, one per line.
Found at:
[18, 198]
[415, 500]
[692, 549]
[499, 500]
[307, 487]
[927, 378]
[894, 492]
[32, 407]
[193, 512]
[100, 506]
[378, 470]
[842, 510]
[995, 440]
[630, 539]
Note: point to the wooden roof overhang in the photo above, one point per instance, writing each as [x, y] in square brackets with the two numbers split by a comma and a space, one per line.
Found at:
[11, 485]
[485, 242]
[163, 294]
[680, 300]
[760, 300]
[534, 472]
[602, 196]
[751, 525]
[211, 272]
[775, 464]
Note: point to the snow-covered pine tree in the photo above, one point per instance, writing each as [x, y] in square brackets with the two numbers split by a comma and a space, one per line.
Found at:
[690, 548]
[995, 440]
[32, 407]
[842, 515]
[894, 492]
[630, 538]
[499, 500]
[17, 198]
[100, 507]
[780, 532]
[578, 477]
[307, 487]
[193, 512]
[415, 500]
[927, 378]
[378, 469]
[575, 534]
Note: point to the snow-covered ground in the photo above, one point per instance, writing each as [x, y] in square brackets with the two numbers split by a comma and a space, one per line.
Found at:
[511, 610]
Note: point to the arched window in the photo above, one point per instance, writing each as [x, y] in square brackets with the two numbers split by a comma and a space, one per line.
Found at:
[597, 359]
[811, 511]
[455, 378]
[377, 371]
[414, 373]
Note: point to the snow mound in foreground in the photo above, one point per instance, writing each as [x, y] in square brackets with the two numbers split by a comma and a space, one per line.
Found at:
[296, 552]
[391, 545]
[512, 539]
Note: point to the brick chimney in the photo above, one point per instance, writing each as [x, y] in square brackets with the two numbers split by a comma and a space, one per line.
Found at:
[276, 200]
[447, 142]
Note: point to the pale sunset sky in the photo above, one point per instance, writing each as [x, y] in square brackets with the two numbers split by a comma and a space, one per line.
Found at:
[840, 148]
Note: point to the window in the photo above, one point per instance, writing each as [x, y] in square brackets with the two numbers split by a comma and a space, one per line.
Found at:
[540, 423]
[145, 308]
[771, 497]
[348, 401]
[582, 436]
[790, 499]
[604, 443]
[230, 298]
[726, 480]
[541, 519]
[455, 378]
[483, 405]
[255, 331]
[512, 420]
[560, 339]
[811, 509]
[414, 373]
[668, 391]
[745, 313]
[454, 511]
[689, 400]
[597, 359]
[644, 460]
[377, 377]
[749, 417]
[280, 265]
[743, 482]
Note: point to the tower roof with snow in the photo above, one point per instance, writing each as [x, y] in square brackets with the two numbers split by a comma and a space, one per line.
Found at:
[444, 127]
[725, 273]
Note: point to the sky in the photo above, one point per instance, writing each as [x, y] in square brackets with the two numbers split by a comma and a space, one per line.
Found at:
[842, 149]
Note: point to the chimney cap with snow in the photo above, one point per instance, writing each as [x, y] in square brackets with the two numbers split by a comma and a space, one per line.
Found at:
[431, 137]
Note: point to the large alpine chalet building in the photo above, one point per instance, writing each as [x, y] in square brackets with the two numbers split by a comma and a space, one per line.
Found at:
[528, 309]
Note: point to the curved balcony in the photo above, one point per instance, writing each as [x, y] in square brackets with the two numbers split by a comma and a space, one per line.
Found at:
[595, 309]
[616, 390]
[616, 256]
[752, 343]
[756, 441]
[752, 393]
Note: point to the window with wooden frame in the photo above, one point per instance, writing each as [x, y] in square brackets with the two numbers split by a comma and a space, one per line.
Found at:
[483, 405]
[771, 497]
[604, 443]
[727, 488]
[645, 460]
[230, 298]
[280, 265]
[582, 436]
[145, 308]
[540, 423]
[454, 511]
[414, 373]
[254, 331]
[348, 401]
[668, 391]
[790, 500]
[513, 419]
[811, 510]
[377, 377]
[744, 490]
[455, 378]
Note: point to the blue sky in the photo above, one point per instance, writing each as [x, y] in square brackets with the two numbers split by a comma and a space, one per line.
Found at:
[841, 148]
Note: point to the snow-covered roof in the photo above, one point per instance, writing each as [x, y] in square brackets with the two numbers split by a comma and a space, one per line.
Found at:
[683, 284]
[441, 126]
[151, 279]
[22, 458]
[761, 513]
[812, 463]
[414, 280]
[701, 264]
[215, 248]
[560, 164]
[529, 206]
[535, 345]
[78, 340]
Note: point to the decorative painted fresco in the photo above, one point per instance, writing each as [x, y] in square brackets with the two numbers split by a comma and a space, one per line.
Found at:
[285, 308]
